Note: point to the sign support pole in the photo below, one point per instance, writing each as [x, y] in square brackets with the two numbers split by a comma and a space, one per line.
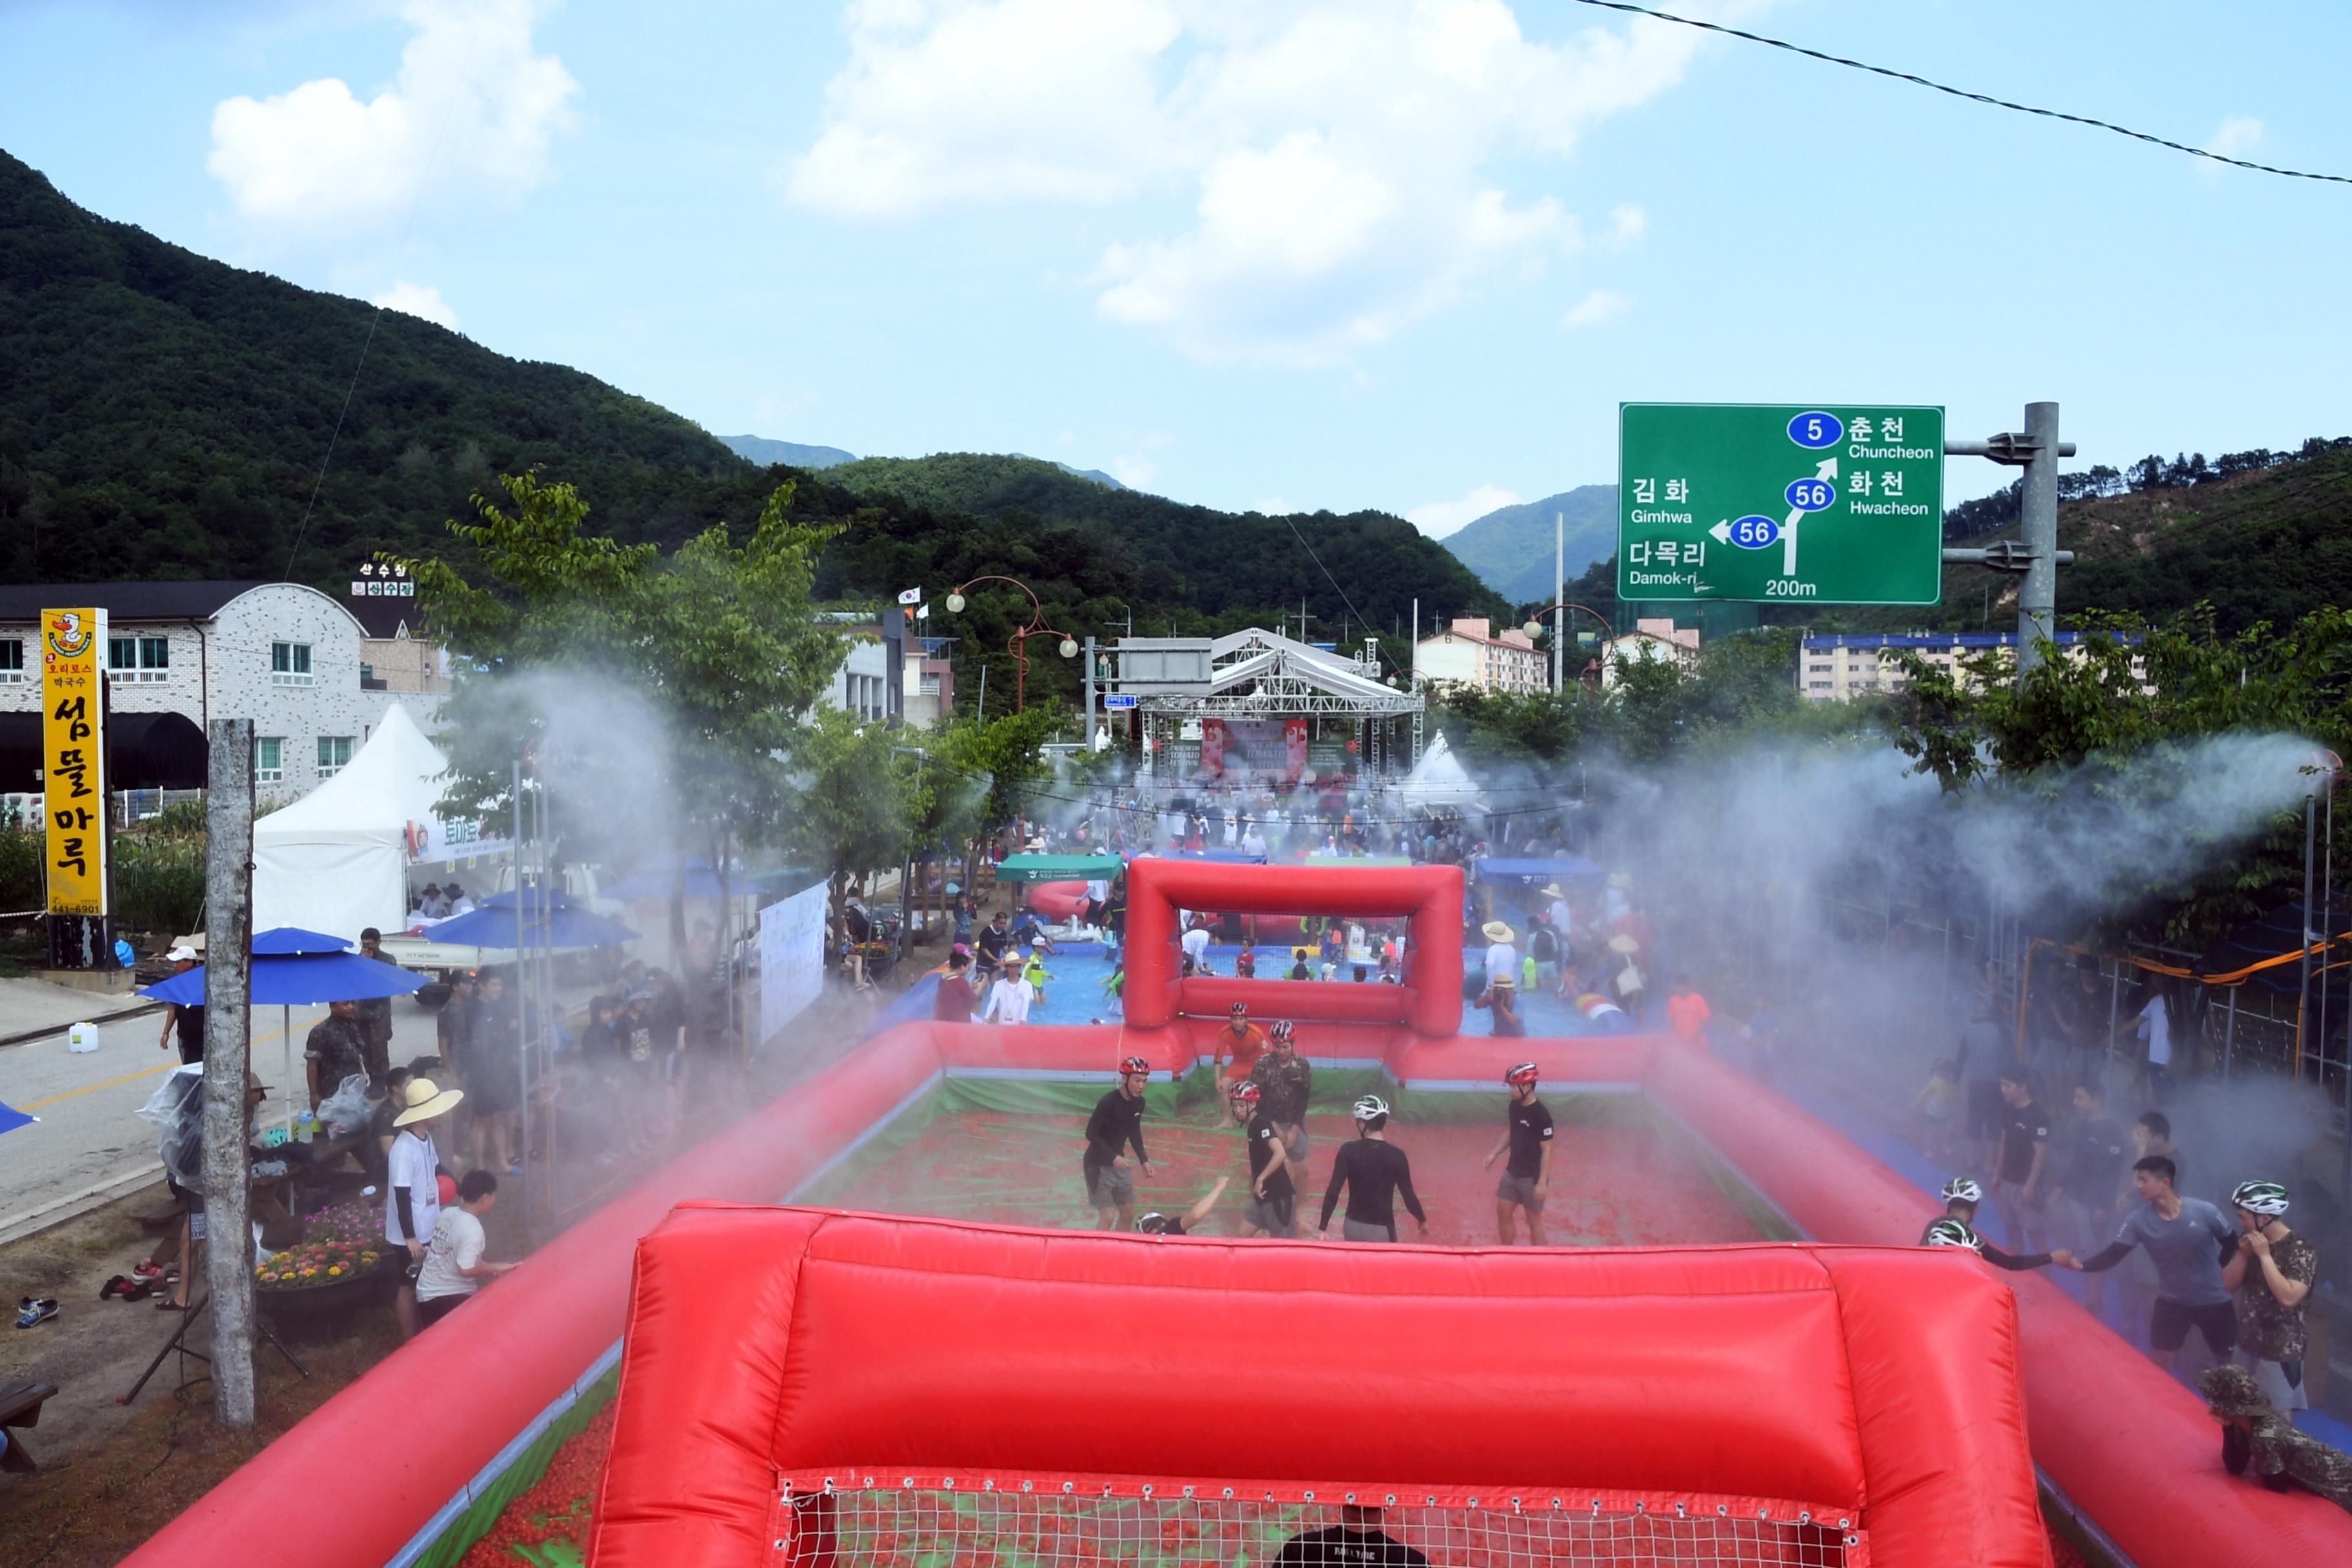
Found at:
[2035, 556]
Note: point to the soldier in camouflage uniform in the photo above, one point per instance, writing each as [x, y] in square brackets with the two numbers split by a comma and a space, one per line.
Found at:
[2282, 1457]
[1286, 1082]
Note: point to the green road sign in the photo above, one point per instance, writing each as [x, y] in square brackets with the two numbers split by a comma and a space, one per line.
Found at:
[1833, 503]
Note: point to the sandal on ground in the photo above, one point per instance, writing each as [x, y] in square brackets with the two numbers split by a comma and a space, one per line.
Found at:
[31, 1311]
[113, 1288]
[163, 1303]
[145, 1269]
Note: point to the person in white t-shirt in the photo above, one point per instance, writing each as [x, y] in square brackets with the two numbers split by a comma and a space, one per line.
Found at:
[1502, 956]
[1009, 998]
[1195, 944]
[411, 1199]
[2155, 1026]
[454, 1268]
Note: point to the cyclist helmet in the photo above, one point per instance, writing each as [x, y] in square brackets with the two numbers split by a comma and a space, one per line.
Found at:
[1285, 1030]
[2260, 1197]
[1951, 1231]
[1246, 1091]
[1371, 1108]
[1135, 1064]
[1522, 1073]
[1238, 1010]
[1154, 1223]
[1960, 1189]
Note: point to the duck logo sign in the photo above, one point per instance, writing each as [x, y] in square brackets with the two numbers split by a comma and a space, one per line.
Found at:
[73, 760]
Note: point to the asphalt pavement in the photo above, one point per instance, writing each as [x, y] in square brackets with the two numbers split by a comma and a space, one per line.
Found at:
[89, 1145]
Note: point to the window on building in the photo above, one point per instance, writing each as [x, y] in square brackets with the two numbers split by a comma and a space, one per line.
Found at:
[12, 660]
[269, 759]
[334, 754]
[1818, 669]
[1819, 685]
[289, 664]
[138, 658]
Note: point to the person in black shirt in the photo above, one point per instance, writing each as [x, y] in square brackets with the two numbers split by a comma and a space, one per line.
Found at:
[1961, 1197]
[1373, 1171]
[2086, 1171]
[1116, 1123]
[1527, 1135]
[1357, 1539]
[184, 1020]
[1157, 1223]
[2022, 1181]
[1272, 1208]
[988, 948]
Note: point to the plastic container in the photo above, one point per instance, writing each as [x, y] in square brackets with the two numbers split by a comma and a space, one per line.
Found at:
[82, 1037]
[306, 1126]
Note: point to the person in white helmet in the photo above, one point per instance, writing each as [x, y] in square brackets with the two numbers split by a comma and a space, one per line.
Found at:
[1154, 1223]
[2271, 1277]
[1526, 1137]
[1961, 1197]
[1373, 1173]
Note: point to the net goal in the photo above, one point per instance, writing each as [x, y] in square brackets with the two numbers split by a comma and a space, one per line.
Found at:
[940, 1522]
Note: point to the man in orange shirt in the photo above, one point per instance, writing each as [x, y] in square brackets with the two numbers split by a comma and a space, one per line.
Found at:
[1686, 1015]
[1236, 1048]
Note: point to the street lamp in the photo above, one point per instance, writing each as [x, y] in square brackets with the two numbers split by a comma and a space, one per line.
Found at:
[1017, 645]
[1535, 627]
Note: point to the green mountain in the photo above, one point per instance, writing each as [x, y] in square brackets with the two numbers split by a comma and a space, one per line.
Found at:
[164, 415]
[1209, 571]
[759, 449]
[1511, 549]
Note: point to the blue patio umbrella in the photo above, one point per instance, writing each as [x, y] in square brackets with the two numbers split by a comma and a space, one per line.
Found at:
[659, 881]
[295, 968]
[550, 921]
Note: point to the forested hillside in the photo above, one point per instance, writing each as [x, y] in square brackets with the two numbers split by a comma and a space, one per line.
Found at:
[164, 415]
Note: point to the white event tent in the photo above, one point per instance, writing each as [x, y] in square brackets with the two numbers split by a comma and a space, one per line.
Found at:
[337, 860]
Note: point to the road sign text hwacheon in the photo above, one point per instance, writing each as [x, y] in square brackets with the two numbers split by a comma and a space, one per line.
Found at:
[1834, 503]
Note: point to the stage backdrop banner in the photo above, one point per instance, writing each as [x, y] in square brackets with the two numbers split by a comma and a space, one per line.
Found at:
[791, 958]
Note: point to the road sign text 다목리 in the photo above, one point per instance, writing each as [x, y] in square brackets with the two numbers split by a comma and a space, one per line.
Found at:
[1835, 503]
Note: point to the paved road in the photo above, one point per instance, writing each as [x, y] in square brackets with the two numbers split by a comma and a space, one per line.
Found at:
[89, 1141]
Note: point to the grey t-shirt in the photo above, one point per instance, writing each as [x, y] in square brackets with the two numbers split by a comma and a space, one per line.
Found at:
[2186, 1249]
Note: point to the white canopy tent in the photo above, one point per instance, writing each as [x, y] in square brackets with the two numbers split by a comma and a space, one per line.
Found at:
[1438, 779]
[337, 860]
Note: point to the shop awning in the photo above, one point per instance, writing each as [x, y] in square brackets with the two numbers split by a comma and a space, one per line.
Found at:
[1058, 867]
[1533, 873]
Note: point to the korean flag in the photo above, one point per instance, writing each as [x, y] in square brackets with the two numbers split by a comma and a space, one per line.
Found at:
[911, 596]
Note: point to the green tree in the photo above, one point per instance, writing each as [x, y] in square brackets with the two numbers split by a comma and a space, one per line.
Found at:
[860, 793]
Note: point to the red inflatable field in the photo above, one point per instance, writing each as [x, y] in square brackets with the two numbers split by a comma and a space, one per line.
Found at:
[1177, 1330]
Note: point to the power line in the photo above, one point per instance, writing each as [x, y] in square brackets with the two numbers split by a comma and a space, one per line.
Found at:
[340, 415]
[1986, 99]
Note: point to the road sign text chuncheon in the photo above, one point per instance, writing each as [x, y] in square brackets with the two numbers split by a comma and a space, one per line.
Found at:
[1829, 502]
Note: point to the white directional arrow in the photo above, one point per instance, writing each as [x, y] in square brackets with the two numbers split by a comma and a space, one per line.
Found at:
[1825, 469]
[1721, 532]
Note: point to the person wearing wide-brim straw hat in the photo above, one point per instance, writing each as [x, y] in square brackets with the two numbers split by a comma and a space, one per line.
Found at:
[412, 1202]
[2283, 1455]
[1502, 957]
[1628, 983]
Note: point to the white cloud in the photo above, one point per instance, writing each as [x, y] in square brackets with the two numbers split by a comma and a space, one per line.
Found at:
[419, 301]
[1336, 155]
[1627, 225]
[2238, 136]
[1133, 471]
[1440, 518]
[1600, 305]
[473, 107]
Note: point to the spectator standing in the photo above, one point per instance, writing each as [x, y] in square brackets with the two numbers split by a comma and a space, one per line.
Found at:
[494, 1073]
[183, 1021]
[2079, 1010]
[2187, 1239]
[2154, 1026]
[956, 1002]
[2271, 1275]
[335, 1050]
[1983, 1048]
[412, 1202]
[452, 1026]
[1009, 996]
[454, 1268]
[1502, 956]
[2021, 1186]
[2088, 1169]
[373, 1013]
[988, 950]
[667, 1014]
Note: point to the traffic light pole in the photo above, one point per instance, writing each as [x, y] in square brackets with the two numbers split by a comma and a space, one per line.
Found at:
[2034, 555]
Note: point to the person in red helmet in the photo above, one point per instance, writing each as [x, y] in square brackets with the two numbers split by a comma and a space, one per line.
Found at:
[1237, 1047]
[1117, 1124]
[1272, 1207]
[1526, 1179]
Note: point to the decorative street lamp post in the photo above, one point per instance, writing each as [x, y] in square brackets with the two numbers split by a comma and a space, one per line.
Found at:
[1017, 645]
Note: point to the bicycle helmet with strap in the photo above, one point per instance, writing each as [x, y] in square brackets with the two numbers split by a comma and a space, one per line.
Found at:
[2266, 1198]
[1960, 1189]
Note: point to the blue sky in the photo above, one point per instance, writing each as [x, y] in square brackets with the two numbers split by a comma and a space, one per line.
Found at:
[1370, 253]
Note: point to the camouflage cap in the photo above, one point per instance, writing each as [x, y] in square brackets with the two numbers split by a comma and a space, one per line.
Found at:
[2231, 1391]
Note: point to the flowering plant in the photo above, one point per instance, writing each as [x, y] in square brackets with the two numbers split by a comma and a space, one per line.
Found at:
[339, 1243]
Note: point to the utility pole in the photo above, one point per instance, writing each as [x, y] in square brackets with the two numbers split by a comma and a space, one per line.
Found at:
[1090, 731]
[228, 1029]
[2034, 555]
[1559, 592]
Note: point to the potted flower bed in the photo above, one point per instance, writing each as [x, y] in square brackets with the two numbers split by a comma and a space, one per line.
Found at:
[341, 1263]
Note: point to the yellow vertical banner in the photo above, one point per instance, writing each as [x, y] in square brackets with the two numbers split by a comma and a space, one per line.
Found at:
[73, 758]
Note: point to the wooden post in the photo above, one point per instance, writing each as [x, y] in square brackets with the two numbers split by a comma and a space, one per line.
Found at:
[228, 945]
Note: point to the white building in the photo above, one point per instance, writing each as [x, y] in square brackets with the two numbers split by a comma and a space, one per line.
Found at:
[285, 656]
[1653, 638]
[861, 684]
[1468, 653]
[1838, 668]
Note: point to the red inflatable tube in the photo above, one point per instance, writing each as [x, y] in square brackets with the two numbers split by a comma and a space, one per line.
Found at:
[1057, 901]
[1872, 1385]
[2135, 1451]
